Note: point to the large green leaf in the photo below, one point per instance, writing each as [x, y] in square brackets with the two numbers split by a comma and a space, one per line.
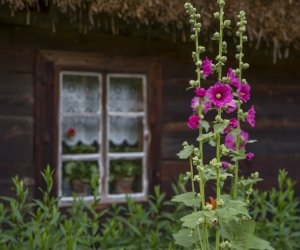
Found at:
[190, 199]
[205, 137]
[231, 211]
[240, 235]
[219, 127]
[184, 238]
[186, 152]
[192, 220]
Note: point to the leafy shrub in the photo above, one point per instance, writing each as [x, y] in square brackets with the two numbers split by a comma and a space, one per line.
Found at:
[40, 224]
[277, 214]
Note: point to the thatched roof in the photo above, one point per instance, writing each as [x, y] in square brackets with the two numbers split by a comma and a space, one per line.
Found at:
[276, 22]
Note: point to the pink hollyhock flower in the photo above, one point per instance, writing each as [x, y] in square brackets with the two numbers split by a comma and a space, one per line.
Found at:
[233, 79]
[200, 92]
[233, 123]
[244, 92]
[231, 106]
[194, 121]
[219, 94]
[206, 67]
[230, 140]
[251, 116]
[206, 106]
[195, 103]
[225, 164]
[249, 156]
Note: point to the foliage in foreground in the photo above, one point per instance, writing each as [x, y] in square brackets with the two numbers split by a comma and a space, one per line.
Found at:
[40, 224]
[277, 214]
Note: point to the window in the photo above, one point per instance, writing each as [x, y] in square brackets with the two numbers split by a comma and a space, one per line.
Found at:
[102, 130]
[95, 115]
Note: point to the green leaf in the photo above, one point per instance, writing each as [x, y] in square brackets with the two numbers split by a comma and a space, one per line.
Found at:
[240, 235]
[219, 127]
[231, 211]
[205, 125]
[186, 152]
[190, 199]
[205, 137]
[192, 220]
[241, 155]
[184, 238]
[250, 181]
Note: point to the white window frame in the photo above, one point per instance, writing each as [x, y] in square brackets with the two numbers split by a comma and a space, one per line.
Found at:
[103, 161]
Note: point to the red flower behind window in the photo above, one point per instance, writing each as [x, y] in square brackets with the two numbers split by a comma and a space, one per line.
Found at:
[71, 132]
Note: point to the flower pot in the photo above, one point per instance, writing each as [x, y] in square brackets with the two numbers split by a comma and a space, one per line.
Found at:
[79, 187]
[124, 184]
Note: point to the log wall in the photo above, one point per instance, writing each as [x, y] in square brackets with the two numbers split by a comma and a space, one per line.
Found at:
[276, 94]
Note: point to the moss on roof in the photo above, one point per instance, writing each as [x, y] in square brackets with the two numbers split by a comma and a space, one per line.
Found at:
[276, 22]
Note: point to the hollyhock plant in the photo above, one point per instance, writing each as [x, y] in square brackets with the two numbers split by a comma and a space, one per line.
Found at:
[229, 219]
[200, 92]
[219, 94]
[194, 121]
[250, 117]
[231, 107]
[206, 67]
[244, 92]
[233, 79]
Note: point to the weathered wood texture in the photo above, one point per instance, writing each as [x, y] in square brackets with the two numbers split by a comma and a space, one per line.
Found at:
[276, 94]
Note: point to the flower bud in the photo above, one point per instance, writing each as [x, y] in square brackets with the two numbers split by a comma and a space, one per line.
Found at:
[188, 174]
[216, 36]
[208, 207]
[185, 143]
[216, 14]
[220, 202]
[227, 23]
[246, 65]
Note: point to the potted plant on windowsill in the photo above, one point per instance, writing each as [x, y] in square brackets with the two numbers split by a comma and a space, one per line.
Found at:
[123, 174]
[79, 175]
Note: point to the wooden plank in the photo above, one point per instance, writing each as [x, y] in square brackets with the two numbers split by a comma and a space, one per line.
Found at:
[16, 84]
[16, 140]
[16, 105]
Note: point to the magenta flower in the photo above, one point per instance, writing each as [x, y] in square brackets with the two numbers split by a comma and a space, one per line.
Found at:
[194, 121]
[233, 79]
[225, 164]
[249, 156]
[200, 92]
[206, 106]
[233, 123]
[219, 94]
[195, 103]
[250, 117]
[230, 140]
[206, 67]
[244, 92]
[231, 106]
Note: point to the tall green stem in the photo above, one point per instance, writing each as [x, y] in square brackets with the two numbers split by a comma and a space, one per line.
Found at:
[236, 167]
[218, 142]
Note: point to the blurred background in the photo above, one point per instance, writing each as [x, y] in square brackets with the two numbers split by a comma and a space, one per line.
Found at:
[131, 60]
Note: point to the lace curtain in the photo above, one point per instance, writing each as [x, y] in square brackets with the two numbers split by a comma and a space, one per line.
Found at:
[80, 94]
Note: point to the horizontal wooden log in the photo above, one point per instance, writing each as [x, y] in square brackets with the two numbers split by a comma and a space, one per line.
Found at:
[16, 105]
[16, 84]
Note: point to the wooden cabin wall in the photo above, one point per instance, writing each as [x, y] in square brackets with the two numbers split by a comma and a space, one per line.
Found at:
[276, 94]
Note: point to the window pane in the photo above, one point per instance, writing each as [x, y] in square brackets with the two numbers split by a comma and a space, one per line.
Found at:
[80, 135]
[125, 176]
[80, 94]
[77, 177]
[126, 134]
[125, 94]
